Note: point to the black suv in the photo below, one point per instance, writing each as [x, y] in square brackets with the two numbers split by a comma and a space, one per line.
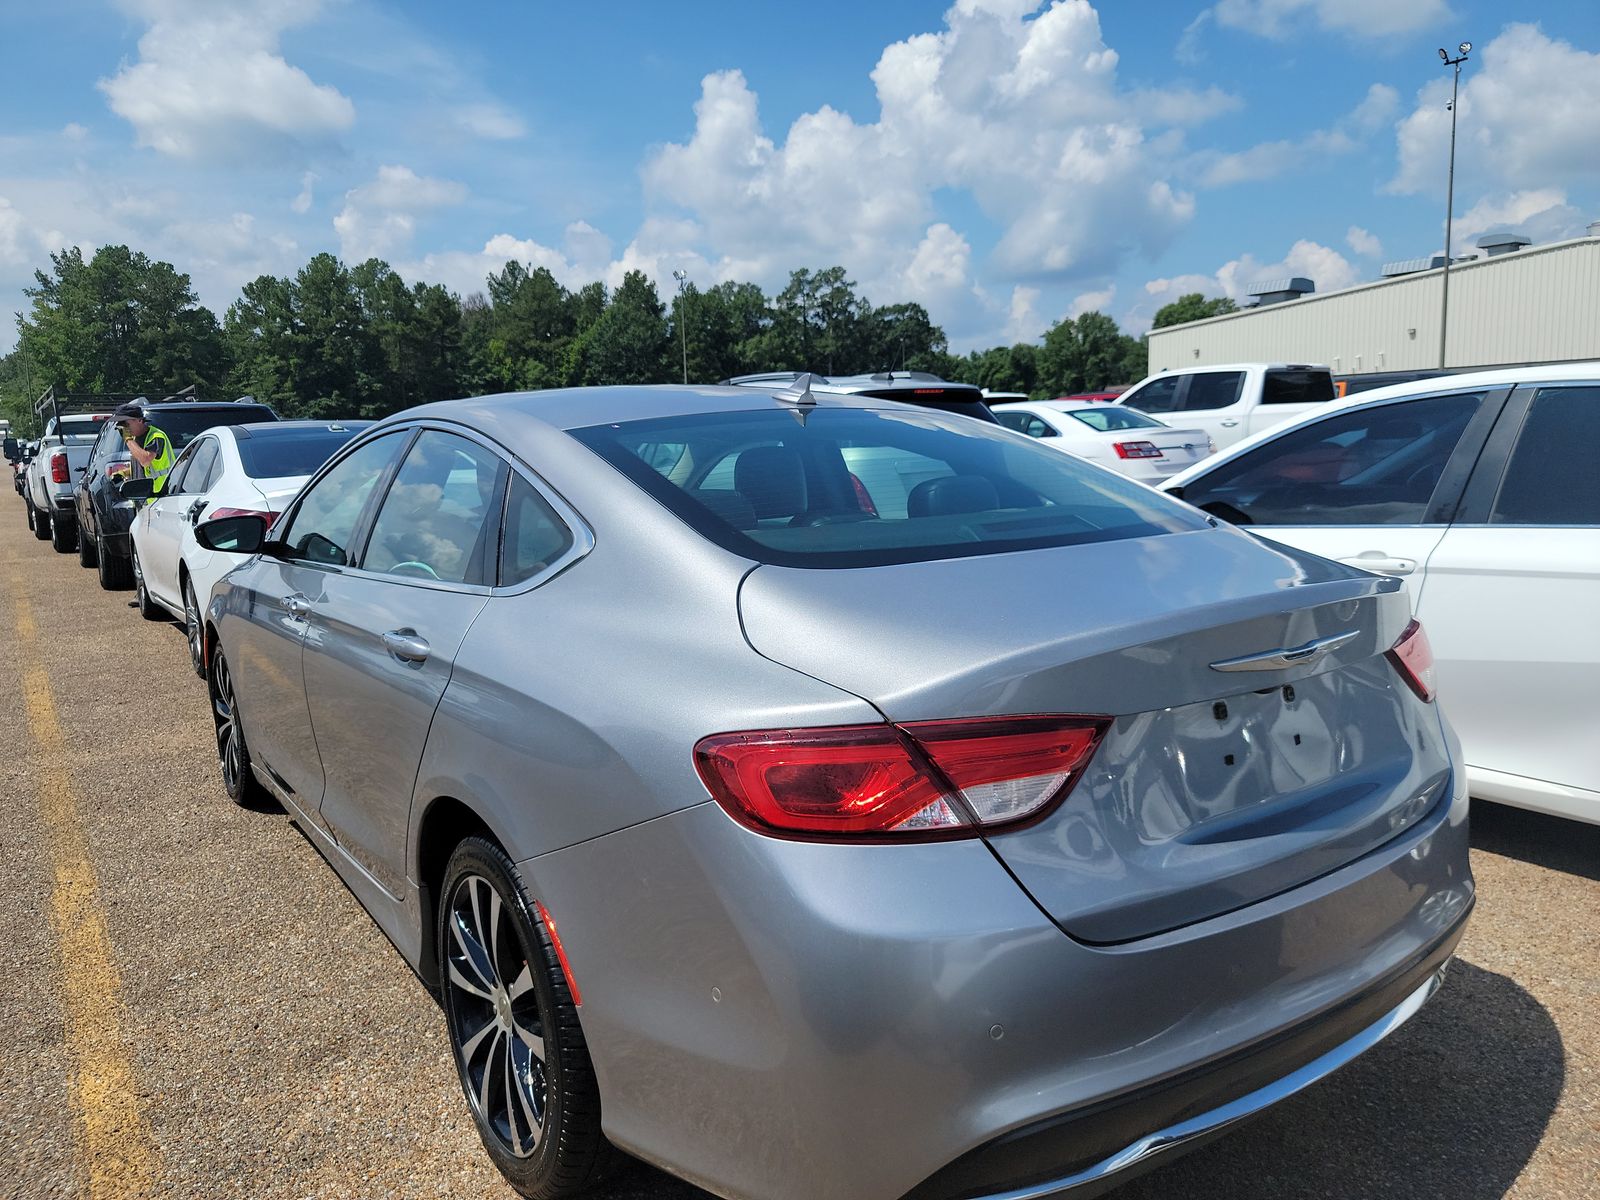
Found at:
[103, 515]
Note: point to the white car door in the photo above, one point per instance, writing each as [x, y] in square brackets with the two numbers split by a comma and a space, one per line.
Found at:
[1513, 594]
[169, 520]
[1374, 487]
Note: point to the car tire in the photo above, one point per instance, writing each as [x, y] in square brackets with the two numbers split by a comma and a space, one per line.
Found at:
[116, 575]
[27, 510]
[233, 754]
[491, 941]
[148, 608]
[63, 535]
[41, 524]
[88, 552]
[193, 630]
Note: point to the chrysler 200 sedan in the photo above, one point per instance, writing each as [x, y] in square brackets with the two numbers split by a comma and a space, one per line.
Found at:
[817, 796]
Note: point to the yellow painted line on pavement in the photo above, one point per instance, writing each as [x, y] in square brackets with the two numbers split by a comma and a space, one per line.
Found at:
[122, 1159]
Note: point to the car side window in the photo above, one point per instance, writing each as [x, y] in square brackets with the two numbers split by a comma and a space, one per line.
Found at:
[534, 535]
[201, 459]
[440, 519]
[1374, 466]
[324, 523]
[176, 476]
[1213, 389]
[1159, 395]
[1551, 477]
[1015, 421]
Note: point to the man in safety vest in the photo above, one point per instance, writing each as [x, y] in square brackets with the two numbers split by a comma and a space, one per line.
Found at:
[150, 448]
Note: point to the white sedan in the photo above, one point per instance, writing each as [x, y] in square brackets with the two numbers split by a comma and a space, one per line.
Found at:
[227, 471]
[1123, 439]
[1481, 492]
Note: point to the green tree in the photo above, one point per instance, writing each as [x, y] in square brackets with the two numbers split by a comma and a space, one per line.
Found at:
[1192, 307]
[1088, 354]
[629, 343]
[902, 337]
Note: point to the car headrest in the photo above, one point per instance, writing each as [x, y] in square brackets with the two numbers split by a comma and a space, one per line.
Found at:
[952, 494]
[773, 479]
[731, 507]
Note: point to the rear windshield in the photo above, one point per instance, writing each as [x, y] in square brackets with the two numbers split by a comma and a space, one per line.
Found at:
[966, 401]
[1297, 387]
[868, 487]
[183, 427]
[1109, 419]
[275, 453]
[79, 431]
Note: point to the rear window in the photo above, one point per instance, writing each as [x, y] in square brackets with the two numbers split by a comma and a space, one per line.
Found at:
[1297, 387]
[1108, 420]
[80, 431]
[966, 401]
[869, 487]
[274, 453]
[182, 427]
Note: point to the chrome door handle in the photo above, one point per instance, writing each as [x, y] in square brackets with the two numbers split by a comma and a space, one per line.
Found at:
[405, 645]
[1381, 563]
[296, 605]
[1229, 423]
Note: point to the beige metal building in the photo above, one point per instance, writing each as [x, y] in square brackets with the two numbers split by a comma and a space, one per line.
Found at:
[1540, 304]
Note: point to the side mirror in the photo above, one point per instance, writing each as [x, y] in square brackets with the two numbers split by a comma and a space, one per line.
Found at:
[233, 535]
[136, 489]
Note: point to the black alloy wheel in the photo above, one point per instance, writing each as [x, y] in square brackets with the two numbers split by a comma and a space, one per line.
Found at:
[519, 1049]
[191, 627]
[238, 780]
[148, 608]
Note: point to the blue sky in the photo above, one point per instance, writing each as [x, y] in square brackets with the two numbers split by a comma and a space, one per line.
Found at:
[1005, 163]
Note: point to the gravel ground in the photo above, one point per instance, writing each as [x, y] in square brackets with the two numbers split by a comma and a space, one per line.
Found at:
[281, 1048]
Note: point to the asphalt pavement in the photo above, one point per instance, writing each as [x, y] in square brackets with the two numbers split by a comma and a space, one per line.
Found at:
[193, 1005]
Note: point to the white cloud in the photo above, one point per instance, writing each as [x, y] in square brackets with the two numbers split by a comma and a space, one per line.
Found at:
[1269, 159]
[1541, 213]
[379, 218]
[1024, 324]
[211, 84]
[16, 249]
[1323, 265]
[307, 194]
[1527, 116]
[1092, 301]
[1363, 242]
[490, 122]
[1365, 19]
[74, 132]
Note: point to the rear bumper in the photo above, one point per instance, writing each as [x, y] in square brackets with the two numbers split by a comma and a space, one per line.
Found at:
[1084, 1154]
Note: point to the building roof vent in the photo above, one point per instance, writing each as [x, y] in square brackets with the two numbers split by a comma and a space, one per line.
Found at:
[1594, 229]
[1496, 244]
[1410, 266]
[1276, 291]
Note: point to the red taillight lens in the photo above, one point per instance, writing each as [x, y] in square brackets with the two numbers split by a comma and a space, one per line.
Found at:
[1413, 658]
[933, 779]
[224, 514]
[58, 469]
[1137, 450]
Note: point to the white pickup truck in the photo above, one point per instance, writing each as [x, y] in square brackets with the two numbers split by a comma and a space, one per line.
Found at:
[53, 474]
[1233, 400]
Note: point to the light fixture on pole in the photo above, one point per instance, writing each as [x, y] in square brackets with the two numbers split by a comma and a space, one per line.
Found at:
[682, 277]
[1450, 193]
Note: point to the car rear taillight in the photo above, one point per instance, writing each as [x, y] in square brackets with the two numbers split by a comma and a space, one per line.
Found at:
[927, 780]
[222, 514]
[1413, 658]
[1137, 450]
[59, 472]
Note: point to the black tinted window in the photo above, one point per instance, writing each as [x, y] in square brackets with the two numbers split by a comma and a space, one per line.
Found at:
[1297, 387]
[1159, 395]
[865, 487]
[324, 522]
[276, 455]
[439, 519]
[1551, 478]
[1375, 466]
[534, 536]
[1213, 389]
[182, 427]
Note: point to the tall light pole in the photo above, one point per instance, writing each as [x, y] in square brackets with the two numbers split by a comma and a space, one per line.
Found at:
[682, 277]
[1450, 192]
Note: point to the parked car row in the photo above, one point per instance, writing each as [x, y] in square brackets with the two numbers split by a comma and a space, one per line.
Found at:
[736, 760]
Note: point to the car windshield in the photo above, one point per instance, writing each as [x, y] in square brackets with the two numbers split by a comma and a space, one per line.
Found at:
[183, 426]
[276, 453]
[1109, 418]
[867, 487]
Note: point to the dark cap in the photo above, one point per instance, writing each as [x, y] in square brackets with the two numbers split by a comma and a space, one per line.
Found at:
[133, 408]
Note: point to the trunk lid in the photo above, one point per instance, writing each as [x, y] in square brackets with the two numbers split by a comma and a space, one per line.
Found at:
[1180, 448]
[1213, 789]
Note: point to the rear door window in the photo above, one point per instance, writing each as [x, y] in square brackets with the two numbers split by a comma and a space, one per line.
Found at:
[1374, 466]
[1296, 387]
[439, 520]
[1212, 389]
[535, 537]
[198, 465]
[1551, 477]
[323, 526]
[1157, 396]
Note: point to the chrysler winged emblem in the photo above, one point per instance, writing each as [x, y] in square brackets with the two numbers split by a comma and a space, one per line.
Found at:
[1277, 660]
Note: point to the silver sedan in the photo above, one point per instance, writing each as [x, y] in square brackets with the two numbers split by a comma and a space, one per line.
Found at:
[821, 797]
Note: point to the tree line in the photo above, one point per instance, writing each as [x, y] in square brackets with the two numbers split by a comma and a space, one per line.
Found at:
[338, 340]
